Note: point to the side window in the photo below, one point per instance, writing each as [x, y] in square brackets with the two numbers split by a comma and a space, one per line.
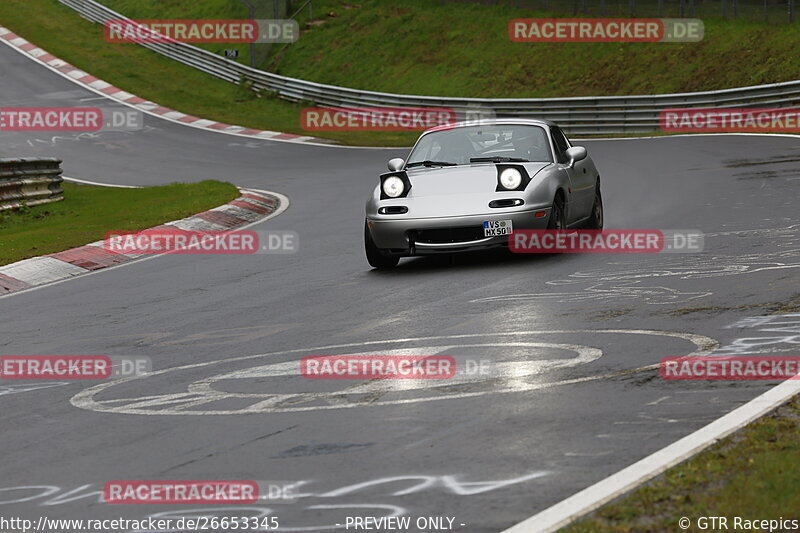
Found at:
[561, 144]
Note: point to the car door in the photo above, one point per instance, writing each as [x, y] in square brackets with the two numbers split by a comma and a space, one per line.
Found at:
[581, 178]
[560, 146]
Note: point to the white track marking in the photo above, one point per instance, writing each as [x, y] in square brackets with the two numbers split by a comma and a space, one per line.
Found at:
[97, 183]
[589, 499]
[625, 291]
[86, 398]
[6, 389]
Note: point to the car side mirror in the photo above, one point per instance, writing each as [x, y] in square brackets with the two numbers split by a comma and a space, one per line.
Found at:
[575, 154]
[397, 163]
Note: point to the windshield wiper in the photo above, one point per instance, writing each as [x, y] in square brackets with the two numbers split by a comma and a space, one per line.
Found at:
[428, 163]
[498, 159]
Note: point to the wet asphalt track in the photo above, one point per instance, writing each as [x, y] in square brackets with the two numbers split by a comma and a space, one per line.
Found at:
[476, 452]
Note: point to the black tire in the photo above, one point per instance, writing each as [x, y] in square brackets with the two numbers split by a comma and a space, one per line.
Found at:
[376, 257]
[596, 219]
[558, 217]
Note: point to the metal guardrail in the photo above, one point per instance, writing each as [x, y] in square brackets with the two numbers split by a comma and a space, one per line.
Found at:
[30, 181]
[590, 115]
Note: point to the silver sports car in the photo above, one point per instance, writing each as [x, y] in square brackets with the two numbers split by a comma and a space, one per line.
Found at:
[467, 187]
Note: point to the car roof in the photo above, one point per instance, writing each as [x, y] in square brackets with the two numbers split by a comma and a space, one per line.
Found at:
[492, 121]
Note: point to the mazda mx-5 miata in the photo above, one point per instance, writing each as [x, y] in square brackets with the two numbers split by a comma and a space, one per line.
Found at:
[468, 186]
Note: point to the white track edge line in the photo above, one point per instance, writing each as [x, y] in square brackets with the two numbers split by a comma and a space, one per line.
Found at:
[720, 134]
[99, 184]
[593, 497]
[283, 206]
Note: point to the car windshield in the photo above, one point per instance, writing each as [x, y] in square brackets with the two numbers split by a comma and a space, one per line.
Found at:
[459, 146]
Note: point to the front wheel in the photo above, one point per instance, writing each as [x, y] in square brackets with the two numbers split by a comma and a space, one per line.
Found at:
[376, 257]
[558, 217]
[596, 218]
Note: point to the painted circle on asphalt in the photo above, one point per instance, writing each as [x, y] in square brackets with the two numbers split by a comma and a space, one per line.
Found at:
[278, 387]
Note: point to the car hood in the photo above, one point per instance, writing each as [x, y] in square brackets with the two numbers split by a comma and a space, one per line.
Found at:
[455, 191]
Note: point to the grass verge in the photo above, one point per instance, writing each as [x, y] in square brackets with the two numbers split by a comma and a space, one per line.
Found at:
[463, 49]
[409, 46]
[752, 474]
[88, 212]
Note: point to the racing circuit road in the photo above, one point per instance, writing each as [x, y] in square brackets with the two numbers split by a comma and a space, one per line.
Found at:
[487, 451]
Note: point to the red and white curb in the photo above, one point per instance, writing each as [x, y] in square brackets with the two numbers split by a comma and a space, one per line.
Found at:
[146, 106]
[251, 207]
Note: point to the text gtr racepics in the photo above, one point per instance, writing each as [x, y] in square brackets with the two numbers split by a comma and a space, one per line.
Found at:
[468, 186]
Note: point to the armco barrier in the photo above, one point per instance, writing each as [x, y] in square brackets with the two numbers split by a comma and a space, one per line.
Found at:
[30, 181]
[591, 115]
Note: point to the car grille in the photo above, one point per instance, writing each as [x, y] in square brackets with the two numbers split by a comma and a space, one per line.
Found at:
[448, 235]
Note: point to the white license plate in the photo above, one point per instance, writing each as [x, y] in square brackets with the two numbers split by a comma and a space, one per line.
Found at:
[495, 228]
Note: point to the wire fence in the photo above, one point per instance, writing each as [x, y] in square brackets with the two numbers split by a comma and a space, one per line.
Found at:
[761, 10]
[264, 9]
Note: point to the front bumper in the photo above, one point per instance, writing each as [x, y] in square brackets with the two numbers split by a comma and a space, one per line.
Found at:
[421, 236]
